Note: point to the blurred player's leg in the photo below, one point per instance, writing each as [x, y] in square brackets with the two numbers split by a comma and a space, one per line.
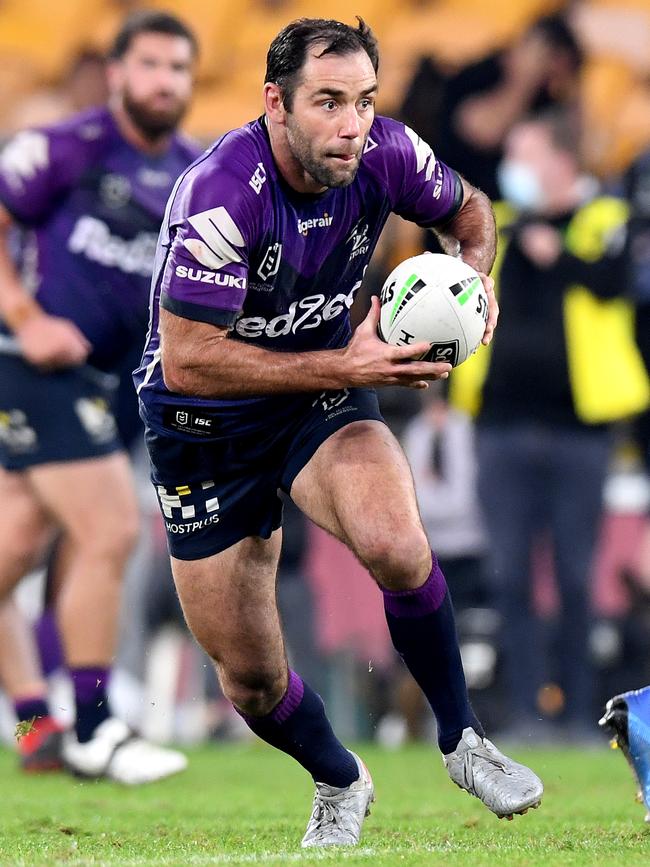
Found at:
[229, 600]
[94, 502]
[363, 463]
[627, 720]
[24, 532]
[38, 735]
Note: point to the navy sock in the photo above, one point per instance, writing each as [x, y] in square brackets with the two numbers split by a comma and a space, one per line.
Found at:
[422, 626]
[31, 708]
[298, 726]
[90, 685]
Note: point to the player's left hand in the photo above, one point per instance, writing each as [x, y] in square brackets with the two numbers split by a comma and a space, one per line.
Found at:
[493, 308]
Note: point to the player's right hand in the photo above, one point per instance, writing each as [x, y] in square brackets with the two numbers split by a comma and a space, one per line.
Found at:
[371, 362]
[50, 342]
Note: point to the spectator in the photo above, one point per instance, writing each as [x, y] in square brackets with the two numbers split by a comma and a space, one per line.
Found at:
[467, 115]
[563, 367]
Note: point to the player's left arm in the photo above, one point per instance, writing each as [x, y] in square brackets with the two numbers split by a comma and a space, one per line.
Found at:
[431, 194]
[471, 234]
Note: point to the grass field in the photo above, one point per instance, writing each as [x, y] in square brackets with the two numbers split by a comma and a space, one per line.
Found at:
[249, 805]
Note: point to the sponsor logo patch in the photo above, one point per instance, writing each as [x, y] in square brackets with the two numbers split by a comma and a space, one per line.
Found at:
[16, 434]
[309, 312]
[186, 420]
[92, 238]
[221, 243]
[215, 278]
[323, 222]
[187, 509]
[97, 419]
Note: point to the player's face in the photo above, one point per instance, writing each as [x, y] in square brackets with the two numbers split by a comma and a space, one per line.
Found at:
[154, 81]
[332, 112]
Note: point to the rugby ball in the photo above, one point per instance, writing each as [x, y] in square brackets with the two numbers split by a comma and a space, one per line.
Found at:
[438, 299]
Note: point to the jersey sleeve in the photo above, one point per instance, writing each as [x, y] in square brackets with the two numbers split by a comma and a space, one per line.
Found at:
[423, 189]
[213, 224]
[36, 168]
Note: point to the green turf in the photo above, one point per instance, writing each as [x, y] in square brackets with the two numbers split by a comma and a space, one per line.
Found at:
[243, 805]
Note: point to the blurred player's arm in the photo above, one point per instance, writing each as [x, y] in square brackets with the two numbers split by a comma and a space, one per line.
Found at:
[45, 341]
[200, 359]
[484, 119]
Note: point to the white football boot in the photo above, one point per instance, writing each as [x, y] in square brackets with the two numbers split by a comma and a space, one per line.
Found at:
[338, 814]
[117, 753]
[504, 786]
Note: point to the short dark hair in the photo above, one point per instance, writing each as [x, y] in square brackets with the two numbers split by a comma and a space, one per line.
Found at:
[559, 35]
[563, 128]
[147, 21]
[288, 51]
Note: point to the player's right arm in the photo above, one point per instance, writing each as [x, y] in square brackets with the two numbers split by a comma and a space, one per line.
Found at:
[199, 359]
[30, 182]
[45, 341]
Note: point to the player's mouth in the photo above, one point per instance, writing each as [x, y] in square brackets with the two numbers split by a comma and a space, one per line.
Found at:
[163, 101]
[346, 158]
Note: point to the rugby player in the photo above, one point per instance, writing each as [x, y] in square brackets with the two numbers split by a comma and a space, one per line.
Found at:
[251, 382]
[80, 207]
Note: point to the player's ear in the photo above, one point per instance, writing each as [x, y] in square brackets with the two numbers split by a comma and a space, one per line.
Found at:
[273, 103]
[115, 76]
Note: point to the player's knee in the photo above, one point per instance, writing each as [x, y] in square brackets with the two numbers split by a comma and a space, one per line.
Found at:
[400, 560]
[114, 541]
[254, 692]
[22, 538]
[18, 552]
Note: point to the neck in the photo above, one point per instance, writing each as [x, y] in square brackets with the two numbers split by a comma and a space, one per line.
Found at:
[290, 168]
[135, 136]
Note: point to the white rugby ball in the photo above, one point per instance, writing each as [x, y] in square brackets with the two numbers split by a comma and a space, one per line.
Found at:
[438, 299]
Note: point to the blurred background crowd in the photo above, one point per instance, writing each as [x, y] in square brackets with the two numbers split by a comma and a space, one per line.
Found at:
[531, 467]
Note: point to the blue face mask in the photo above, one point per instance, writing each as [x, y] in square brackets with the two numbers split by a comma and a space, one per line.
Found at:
[520, 185]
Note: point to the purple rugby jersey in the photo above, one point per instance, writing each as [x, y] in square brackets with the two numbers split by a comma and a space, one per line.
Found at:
[89, 206]
[240, 248]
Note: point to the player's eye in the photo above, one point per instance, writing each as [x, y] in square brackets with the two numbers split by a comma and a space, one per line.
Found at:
[330, 105]
[365, 103]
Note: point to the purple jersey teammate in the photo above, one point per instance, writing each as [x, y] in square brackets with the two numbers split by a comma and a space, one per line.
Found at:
[251, 382]
[80, 207]
[90, 204]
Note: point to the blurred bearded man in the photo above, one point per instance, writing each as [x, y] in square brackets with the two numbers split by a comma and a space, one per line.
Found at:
[80, 208]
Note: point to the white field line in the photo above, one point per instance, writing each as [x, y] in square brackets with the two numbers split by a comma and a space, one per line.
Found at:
[283, 857]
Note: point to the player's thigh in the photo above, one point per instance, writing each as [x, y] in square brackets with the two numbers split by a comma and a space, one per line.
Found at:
[358, 486]
[92, 500]
[24, 528]
[229, 602]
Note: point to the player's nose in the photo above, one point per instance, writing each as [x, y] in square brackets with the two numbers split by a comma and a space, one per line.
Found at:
[351, 126]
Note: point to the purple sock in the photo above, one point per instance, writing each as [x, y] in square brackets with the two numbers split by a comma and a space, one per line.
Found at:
[298, 726]
[90, 685]
[49, 642]
[30, 708]
[422, 626]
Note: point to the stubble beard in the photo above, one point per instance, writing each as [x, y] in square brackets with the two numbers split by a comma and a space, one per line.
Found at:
[153, 124]
[303, 152]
